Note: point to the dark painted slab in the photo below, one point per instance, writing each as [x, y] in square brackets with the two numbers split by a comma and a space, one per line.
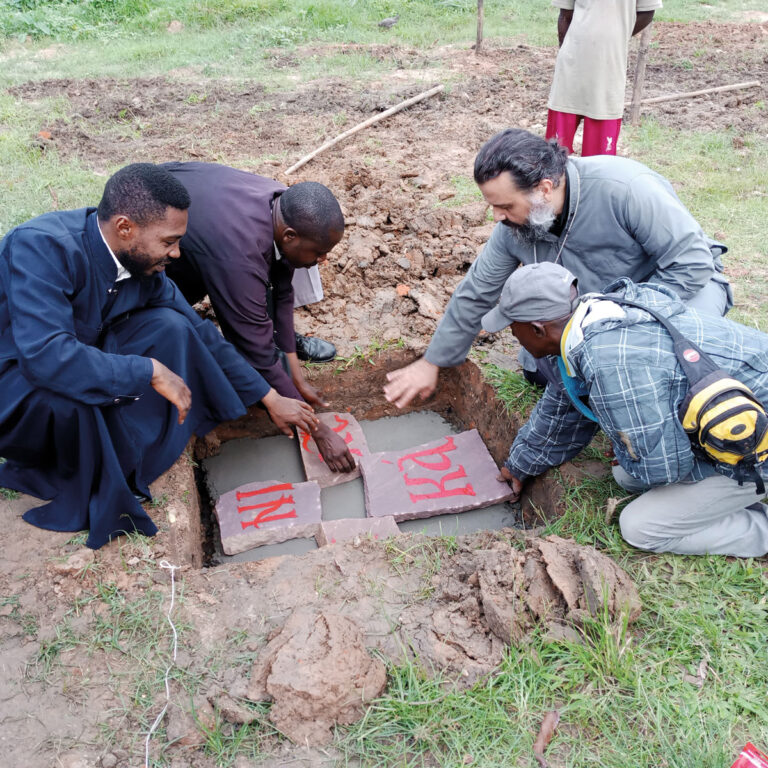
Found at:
[345, 425]
[448, 475]
[267, 513]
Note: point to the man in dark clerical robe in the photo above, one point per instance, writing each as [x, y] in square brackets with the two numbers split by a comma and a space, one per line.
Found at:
[105, 370]
[246, 236]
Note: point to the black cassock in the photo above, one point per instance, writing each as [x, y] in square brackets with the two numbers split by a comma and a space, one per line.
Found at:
[80, 424]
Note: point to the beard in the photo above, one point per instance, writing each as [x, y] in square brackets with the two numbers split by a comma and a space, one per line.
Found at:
[137, 263]
[540, 219]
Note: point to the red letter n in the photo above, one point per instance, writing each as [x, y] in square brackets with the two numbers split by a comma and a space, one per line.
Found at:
[267, 507]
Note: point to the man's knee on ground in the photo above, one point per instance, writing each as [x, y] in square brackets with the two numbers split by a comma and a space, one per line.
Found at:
[626, 481]
[637, 527]
[169, 319]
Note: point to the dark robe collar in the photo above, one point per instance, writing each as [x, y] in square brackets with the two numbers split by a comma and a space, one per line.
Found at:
[100, 255]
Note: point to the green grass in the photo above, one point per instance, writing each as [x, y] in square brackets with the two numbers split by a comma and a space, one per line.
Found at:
[426, 554]
[236, 38]
[229, 744]
[34, 180]
[516, 394]
[466, 191]
[621, 692]
[361, 355]
[721, 179]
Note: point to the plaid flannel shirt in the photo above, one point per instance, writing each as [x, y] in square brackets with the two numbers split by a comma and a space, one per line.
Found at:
[636, 386]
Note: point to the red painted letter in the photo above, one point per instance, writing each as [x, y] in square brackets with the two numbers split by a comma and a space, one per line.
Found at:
[268, 508]
[443, 463]
[269, 489]
[441, 491]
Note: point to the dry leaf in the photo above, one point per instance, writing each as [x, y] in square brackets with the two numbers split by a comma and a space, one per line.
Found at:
[610, 507]
[700, 676]
[546, 732]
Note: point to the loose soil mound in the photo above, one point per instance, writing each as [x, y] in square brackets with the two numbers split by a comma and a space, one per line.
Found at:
[414, 220]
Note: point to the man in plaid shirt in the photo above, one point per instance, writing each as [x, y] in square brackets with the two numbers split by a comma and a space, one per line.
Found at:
[617, 370]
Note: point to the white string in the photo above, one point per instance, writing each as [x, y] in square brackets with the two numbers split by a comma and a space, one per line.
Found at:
[172, 568]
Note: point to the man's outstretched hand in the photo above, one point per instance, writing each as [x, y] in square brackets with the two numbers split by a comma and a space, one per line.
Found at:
[418, 378]
[333, 449]
[172, 388]
[311, 394]
[505, 476]
[287, 412]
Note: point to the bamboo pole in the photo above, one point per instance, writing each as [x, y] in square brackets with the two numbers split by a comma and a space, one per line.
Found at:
[359, 127]
[702, 92]
[480, 14]
[637, 90]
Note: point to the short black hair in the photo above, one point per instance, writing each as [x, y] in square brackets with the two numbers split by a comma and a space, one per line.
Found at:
[143, 192]
[528, 157]
[312, 210]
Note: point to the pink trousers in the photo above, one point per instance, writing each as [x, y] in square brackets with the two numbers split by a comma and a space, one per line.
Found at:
[600, 136]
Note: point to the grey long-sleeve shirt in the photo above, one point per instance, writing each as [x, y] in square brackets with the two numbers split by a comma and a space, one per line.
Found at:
[624, 220]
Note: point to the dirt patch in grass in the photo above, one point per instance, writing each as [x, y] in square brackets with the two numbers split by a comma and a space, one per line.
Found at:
[415, 220]
[85, 642]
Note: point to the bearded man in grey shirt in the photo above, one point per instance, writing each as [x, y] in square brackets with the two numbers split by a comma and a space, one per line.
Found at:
[601, 217]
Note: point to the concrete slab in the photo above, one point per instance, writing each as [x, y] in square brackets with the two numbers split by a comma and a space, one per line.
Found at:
[290, 547]
[393, 433]
[345, 425]
[490, 518]
[341, 502]
[451, 474]
[335, 531]
[267, 513]
[278, 458]
[251, 461]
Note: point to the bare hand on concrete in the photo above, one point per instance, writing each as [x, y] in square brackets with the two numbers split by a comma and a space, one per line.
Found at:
[287, 412]
[333, 449]
[418, 378]
[505, 476]
[172, 388]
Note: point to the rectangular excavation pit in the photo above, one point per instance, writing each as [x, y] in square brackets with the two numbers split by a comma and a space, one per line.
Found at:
[250, 450]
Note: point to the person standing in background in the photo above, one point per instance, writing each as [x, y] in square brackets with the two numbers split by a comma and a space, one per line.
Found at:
[591, 70]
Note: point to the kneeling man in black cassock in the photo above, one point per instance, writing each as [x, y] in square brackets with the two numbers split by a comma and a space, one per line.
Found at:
[105, 370]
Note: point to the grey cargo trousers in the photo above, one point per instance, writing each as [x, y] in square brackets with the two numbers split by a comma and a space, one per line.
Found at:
[713, 516]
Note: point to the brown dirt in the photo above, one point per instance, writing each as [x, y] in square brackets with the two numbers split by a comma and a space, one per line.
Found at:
[90, 707]
[321, 613]
[407, 224]
[318, 672]
[59, 600]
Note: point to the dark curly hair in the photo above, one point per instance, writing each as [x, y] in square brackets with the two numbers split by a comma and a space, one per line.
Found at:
[143, 192]
[528, 157]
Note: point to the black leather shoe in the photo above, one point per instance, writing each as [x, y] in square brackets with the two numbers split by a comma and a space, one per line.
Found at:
[313, 349]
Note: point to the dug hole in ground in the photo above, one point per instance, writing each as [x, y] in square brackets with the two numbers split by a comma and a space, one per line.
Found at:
[309, 634]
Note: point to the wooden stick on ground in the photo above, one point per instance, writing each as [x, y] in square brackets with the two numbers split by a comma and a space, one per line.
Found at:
[702, 92]
[479, 41]
[359, 127]
[637, 90]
